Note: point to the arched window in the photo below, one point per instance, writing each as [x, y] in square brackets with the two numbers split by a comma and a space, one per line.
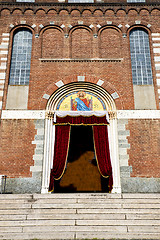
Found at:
[140, 57]
[21, 57]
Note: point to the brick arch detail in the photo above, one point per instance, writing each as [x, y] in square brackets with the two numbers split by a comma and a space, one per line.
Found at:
[42, 102]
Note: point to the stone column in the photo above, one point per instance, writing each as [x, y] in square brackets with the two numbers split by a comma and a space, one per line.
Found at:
[113, 143]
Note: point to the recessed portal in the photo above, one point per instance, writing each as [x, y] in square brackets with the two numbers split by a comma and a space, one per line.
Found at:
[81, 174]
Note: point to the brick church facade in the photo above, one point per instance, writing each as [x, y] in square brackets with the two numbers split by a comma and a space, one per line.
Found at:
[49, 50]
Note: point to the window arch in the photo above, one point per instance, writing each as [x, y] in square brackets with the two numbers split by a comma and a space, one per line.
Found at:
[140, 57]
[21, 57]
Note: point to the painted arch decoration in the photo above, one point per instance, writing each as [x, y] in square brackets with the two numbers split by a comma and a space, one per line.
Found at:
[81, 96]
[81, 101]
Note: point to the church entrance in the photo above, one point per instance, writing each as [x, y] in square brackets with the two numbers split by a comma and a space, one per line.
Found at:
[75, 113]
[81, 173]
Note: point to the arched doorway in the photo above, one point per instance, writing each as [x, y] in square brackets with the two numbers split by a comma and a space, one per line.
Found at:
[65, 101]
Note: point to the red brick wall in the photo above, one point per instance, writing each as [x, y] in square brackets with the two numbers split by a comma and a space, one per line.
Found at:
[110, 43]
[52, 43]
[16, 148]
[144, 153]
[81, 43]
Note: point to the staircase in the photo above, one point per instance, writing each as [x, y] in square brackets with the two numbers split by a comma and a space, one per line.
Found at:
[80, 216]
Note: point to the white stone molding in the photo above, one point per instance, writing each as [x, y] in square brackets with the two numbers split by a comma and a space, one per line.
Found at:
[115, 95]
[127, 25]
[80, 22]
[3, 61]
[59, 83]
[40, 114]
[156, 51]
[138, 114]
[100, 82]
[81, 78]
[113, 143]
[46, 96]
[33, 26]
[46, 167]
[98, 25]
[23, 114]
[120, 25]
[137, 22]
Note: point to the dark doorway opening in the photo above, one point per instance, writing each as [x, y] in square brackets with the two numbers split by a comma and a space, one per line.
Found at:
[81, 173]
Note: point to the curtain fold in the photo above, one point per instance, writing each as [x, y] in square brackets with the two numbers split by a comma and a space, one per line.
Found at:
[62, 135]
[102, 152]
[81, 120]
[101, 143]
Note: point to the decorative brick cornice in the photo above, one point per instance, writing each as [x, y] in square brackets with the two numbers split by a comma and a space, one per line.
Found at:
[121, 4]
[81, 60]
[78, 6]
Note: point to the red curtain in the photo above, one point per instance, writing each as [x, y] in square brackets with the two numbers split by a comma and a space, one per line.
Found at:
[101, 143]
[92, 120]
[62, 134]
[102, 152]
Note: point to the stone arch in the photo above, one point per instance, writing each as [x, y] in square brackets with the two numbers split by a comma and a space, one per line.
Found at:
[5, 12]
[86, 13]
[52, 12]
[50, 130]
[109, 13]
[144, 12]
[75, 13]
[90, 87]
[40, 11]
[63, 12]
[28, 11]
[132, 12]
[121, 12]
[17, 11]
[90, 79]
[143, 27]
[98, 13]
[155, 12]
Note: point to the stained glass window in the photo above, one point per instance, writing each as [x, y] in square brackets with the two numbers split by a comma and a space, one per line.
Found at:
[140, 57]
[81, 1]
[25, 0]
[21, 57]
[133, 1]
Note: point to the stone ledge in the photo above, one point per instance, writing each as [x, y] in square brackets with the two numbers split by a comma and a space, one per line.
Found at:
[80, 60]
[121, 114]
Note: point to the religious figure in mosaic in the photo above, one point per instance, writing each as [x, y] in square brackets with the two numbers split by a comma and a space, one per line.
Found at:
[81, 102]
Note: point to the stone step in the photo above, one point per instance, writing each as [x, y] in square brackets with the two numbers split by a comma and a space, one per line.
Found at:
[14, 205]
[81, 200]
[126, 210]
[81, 195]
[42, 216]
[78, 235]
[79, 211]
[79, 216]
[81, 222]
[106, 216]
[114, 236]
[94, 205]
[76, 206]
